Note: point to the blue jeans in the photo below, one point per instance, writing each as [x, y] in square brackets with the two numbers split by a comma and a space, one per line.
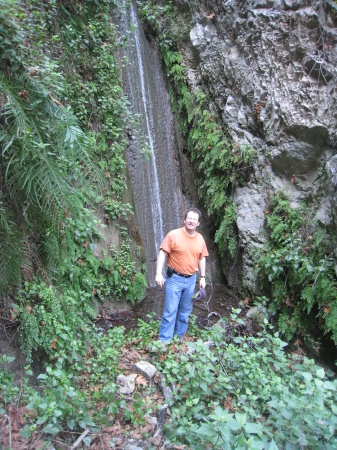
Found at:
[177, 307]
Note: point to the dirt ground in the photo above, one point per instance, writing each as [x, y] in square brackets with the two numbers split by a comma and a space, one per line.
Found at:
[219, 303]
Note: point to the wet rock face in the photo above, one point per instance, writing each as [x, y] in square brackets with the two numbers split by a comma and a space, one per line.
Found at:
[270, 69]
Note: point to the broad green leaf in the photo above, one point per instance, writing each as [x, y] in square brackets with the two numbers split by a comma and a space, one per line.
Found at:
[329, 385]
[272, 445]
[41, 420]
[51, 429]
[233, 424]
[87, 441]
[320, 373]
[71, 424]
[253, 428]
[25, 432]
[42, 376]
[307, 375]
[205, 430]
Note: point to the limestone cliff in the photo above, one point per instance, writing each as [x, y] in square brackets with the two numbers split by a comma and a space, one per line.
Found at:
[270, 69]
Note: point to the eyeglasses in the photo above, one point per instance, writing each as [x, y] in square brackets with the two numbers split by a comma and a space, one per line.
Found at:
[193, 219]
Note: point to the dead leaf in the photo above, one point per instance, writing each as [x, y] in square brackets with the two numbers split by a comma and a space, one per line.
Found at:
[298, 342]
[115, 430]
[288, 302]
[326, 309]
[228, 403]
[14, 415]
[141, 380]
[53, 343]
[55, 101]
[23, 94]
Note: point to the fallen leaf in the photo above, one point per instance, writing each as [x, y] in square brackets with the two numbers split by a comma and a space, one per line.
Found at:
[14, 415]
[141, 380]
[53, 343]
[288, 302]
[23, 94]
[326, 309]
[228, 403]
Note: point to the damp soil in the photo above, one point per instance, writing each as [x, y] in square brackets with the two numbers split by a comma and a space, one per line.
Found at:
[219, 303]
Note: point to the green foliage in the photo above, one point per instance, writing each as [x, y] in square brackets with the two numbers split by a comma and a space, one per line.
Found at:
[50, 320]
[296, 269]
[60, 404]
[240, 392]
[127, 283]
[38, 177]
[115, 209]
[245, 392]
[61, 107]
[9, 392]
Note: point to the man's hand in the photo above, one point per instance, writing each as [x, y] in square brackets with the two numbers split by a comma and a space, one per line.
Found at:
[202, 283]
[159, 280]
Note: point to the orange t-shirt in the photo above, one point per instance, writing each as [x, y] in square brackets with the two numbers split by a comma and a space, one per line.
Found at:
[184, 252]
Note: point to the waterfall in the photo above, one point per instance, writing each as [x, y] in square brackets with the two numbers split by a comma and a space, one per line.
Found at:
[156, 182]
[152, 172]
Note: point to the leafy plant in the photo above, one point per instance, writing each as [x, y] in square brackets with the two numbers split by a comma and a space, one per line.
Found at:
[296, 269]
[245, 392]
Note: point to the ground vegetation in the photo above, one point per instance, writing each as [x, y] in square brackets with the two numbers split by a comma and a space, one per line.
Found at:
[232, 387]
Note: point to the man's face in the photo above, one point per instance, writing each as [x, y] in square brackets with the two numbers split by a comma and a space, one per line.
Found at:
[192, 221]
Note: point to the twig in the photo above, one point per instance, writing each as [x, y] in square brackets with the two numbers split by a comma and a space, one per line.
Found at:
[80, 439]
[10, 431]
[320, 270]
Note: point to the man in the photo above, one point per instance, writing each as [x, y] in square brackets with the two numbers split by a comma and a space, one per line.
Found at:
[186, 251]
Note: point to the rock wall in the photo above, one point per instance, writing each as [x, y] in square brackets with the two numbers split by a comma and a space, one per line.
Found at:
[269, 67]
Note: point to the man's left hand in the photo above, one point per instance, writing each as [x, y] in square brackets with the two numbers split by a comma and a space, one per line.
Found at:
[202, 283]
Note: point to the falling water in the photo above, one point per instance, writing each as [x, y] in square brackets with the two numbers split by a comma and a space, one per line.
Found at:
[156, 205]
[159, 202]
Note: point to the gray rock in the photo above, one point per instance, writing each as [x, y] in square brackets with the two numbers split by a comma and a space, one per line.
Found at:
[295, 4]
[162, 415]
[256, 314]
[133, 446]
[166, 391]
[260, 64]
[126, 384]
[146, 369]
[250, 213]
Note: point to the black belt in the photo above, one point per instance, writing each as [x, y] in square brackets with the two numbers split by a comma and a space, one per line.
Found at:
[181, 274]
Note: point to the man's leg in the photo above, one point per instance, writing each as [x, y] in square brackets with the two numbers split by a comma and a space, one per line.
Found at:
[185, 306]
[173, 288]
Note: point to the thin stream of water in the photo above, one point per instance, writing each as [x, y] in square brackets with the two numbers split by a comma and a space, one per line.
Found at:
[156, 183]
[156, 203]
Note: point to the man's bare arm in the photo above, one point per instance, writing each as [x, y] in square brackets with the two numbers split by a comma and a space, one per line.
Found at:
[159, 280]
[202, 271]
